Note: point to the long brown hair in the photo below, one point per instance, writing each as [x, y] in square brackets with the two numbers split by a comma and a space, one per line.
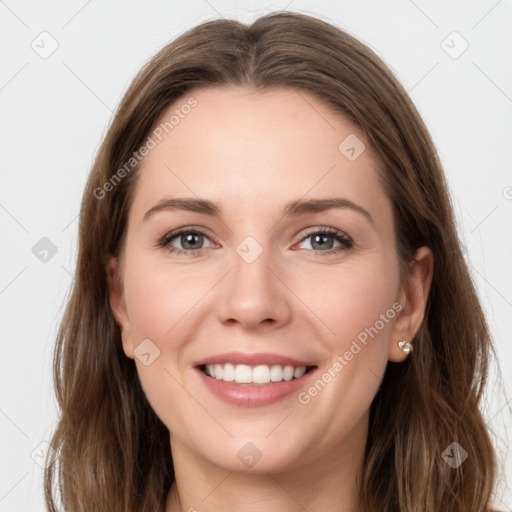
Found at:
[113, 451]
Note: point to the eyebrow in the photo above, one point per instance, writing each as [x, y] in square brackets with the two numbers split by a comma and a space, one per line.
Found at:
[293, 208]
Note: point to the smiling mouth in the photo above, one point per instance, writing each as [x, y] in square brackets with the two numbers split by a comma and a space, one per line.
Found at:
[254, 375]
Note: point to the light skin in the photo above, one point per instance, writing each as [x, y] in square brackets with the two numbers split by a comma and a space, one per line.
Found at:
[251, 153]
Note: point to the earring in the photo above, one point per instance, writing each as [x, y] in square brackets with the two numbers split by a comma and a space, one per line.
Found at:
[405, 346]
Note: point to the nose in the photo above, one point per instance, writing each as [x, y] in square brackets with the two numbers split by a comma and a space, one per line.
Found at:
[255, 293]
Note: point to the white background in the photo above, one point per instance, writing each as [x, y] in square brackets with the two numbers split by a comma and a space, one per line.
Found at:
[55, 111]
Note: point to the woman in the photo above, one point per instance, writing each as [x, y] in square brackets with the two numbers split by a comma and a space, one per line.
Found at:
[319, 345]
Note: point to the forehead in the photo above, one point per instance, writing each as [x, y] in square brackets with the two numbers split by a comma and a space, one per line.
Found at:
[256, 149]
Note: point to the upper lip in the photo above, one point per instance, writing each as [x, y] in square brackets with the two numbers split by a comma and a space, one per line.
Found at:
[260, 358]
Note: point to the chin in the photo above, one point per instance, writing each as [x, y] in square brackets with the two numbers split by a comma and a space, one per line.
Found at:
[254, 453]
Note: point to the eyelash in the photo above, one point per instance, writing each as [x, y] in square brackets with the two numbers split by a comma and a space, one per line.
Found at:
[345, 241]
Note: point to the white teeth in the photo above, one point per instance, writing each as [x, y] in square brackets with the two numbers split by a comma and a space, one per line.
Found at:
[299, 372]
[243, 374]
[288, 373]
[228, 373]
[276, 373]
[261, 374]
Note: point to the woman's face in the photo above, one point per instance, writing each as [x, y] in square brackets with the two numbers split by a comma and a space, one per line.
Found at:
[256, 284]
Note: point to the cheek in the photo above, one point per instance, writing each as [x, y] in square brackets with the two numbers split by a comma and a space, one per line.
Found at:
[356, 300]
[160, 300]
[357, 304]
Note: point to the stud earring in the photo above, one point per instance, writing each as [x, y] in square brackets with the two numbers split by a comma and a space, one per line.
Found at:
[405, 346]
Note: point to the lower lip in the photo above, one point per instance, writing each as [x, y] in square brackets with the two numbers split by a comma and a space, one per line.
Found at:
[247, 395]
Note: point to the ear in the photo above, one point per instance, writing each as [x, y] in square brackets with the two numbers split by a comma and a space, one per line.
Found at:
[413, 297]
[118, 305]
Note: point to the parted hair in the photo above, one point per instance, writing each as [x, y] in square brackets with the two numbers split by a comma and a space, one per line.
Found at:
[113, 452]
